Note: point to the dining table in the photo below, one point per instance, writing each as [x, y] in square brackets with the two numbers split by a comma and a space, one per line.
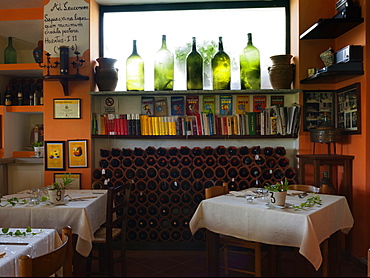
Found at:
[83, 210]
[260, 221]
[35, 243]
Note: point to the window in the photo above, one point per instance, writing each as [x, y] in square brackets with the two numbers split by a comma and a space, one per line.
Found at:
[206, 21]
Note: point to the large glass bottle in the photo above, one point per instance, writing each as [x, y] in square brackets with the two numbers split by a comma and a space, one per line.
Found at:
[134, 71]
[250, 68]
[10, 54]
[194, 69]
[221, 69]
[163, 68]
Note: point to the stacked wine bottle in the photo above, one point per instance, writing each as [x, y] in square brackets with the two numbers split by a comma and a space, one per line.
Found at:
[169, 183]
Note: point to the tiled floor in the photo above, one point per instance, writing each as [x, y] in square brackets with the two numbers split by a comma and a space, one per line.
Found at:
[148, 263]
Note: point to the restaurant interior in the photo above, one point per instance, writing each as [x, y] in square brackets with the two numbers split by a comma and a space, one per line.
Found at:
[145, 201]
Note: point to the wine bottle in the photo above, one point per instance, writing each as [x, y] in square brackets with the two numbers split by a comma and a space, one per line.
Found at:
[326, 186]
[220, 172]
[209, 173]
[250, 68]
[134, 71]
[185, 185]
[152, 185]
[10, 54]
[221, 68]
[194, 69]
[115, 163]
[163, 68]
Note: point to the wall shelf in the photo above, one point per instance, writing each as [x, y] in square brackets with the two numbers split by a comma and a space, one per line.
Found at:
[207, 137]
[330, 28]
[63, 79]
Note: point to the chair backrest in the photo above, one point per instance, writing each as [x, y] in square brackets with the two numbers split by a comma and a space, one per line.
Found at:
[49, 263]
[117, 209]
[216, 190]
[305, 188]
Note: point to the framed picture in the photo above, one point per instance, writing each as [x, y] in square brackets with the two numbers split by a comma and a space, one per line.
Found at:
[67, 108]
[348, 109]
[315, 105]
[54, 155]
[76, 179]
[77, 153]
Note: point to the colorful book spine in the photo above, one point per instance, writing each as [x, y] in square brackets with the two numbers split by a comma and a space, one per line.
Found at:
[252, 123]
[226, 105]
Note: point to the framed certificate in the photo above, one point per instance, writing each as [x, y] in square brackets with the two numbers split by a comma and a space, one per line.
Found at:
[76, 179]
[67, 108]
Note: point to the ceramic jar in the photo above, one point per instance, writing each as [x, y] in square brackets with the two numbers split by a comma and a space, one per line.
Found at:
[56, 196]
[38, 52]
[281, 72]
[278, 198]
[106, 75]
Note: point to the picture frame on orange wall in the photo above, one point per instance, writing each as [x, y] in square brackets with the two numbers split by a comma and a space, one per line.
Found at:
[75, 177]
[77, 153]
[54, 156]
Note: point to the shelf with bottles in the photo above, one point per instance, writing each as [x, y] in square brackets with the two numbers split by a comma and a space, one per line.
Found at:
[21, 70]
[330, 28]
[33, 109]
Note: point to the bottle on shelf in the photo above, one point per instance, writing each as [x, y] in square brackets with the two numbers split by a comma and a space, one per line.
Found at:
[10, 54]
[250, 67]
[194, 69]
[20, 95]
[221, 69]
[326, 186]
[163, 68]
[134, 71]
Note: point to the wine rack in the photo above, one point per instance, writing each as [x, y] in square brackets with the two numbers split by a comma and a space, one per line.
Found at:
[169, 183]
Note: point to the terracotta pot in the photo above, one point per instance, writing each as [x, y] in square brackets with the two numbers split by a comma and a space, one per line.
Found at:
[281, 72]
[106, 75]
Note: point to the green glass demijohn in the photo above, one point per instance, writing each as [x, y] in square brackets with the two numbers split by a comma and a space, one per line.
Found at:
[194, 69]
[221, 69]
[163, 68]
[250, 68]
[10, 54]
[134, 71]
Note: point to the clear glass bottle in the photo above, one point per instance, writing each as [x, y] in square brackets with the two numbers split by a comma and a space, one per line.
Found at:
[10, 54]
[194, 69]
[250, 67]
[221, 69]
[163, 68]
[134, 71]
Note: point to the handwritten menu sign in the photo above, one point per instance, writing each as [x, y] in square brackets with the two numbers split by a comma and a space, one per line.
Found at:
[66, 23]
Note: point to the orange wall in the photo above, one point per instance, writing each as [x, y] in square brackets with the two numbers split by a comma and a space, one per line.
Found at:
[308, 56]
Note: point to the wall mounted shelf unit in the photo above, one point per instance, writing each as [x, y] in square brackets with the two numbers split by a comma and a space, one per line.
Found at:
[63, 79]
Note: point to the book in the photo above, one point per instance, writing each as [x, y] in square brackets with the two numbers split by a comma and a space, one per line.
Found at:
[209, 104]
[277, 100]
[192, 105]
[252, 122]
[259, 103]
[160, 106]
[226, 105]
[177, 106]
[147, 106]
[242, 104]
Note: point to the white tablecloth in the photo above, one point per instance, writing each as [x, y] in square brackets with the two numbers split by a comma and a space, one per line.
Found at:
[306, 229]
[41, 243]
[84, 216]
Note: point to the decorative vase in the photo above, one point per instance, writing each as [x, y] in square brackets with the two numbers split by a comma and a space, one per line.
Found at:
[278, 198]
[56, 196]
[38, 52]
[281, 72]
[106, 75]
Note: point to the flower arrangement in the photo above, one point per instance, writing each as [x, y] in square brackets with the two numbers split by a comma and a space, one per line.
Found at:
[66, 181]
[279, 186]
[37, 144]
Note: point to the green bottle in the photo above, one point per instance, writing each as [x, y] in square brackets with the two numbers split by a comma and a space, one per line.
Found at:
[163, 68]
[10, 54]
[250, 68]
[134, 71]
[194, 69]
[221, 69]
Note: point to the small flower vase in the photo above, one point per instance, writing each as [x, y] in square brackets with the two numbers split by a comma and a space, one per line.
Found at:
[278, 198]
[56, 196]
[106, 75]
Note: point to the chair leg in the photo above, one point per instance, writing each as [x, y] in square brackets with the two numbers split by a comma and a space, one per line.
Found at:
[226, 259]
[257, 261]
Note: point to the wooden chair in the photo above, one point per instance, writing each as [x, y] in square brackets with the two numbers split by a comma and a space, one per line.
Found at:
[305, 187]
[227, 241]
[48, 264]
[112, 234]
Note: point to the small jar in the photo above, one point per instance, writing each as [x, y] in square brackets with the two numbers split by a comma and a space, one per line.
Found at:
[8, 100]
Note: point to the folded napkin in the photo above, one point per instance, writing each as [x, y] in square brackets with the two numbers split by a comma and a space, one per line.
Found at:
[17, 195]
[244, 192]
